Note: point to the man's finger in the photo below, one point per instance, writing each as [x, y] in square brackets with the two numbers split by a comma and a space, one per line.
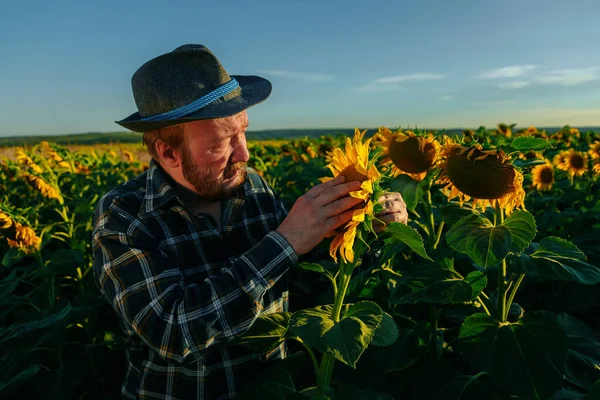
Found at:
[336, 192]
[320, 188]
[339, 206]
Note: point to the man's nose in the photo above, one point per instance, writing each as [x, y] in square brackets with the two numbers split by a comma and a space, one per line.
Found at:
[241, 153]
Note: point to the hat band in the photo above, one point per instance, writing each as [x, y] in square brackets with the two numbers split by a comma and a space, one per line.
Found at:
[197, 104]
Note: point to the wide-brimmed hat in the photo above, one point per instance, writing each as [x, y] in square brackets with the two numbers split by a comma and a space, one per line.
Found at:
[189, 84]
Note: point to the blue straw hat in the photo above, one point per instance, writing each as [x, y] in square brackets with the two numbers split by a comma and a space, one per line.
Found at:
[189, 84]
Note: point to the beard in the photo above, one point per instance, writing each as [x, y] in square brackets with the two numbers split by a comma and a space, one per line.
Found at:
[207, 186]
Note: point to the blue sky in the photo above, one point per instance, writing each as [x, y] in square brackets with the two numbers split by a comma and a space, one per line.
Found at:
[66, 66]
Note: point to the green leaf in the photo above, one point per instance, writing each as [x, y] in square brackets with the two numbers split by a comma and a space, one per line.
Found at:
[554, 258]
[566, 394]
[477, 237]
[276, 383]
[315, 268]
[409, 188]
[12, 256]
[432, 284]
[467, 387]
[346, 339]
[526, 357]
[407, 235]
[62, 262]
[521, 225]
[14, 382]
[594, 392]
[526, 143]
[406, 351]
[8, 285]
[386, 333]
[351, 392]
[14, 332]
[266, 333]
[583, 354]
[453, 212]
[478, 282]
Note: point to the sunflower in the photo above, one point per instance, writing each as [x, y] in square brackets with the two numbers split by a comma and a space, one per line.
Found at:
[531, 155]
[407, 152]
[594, 151]
[571, 161]
[531, 129]
[483, 175]
[47, 190]
[504, 130]
[543, 176]
[354, 164]
[596, 168]
[5, 220]
[25, 238]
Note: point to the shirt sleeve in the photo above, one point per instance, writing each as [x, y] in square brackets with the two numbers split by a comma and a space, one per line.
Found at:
[146, 287]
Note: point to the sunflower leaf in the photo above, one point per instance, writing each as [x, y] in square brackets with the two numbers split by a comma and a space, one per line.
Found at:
[410, 189]
[521, 225]
[346, 339]
[266, 333]
[386, 333]
[467, 387]
[407, 235]
[525, 143]
[594, 392]
[432, 284]
[554, 258]
[477, 237]
[583, 355]
[526, 357]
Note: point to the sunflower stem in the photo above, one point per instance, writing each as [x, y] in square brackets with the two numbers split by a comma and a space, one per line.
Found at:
[316, 366]
[326, 370]
[513, 292]
[502, 286]
[430, 218]
[439, 235]
[481, 301]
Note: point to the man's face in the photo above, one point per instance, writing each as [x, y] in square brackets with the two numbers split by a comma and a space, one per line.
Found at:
[214, 156]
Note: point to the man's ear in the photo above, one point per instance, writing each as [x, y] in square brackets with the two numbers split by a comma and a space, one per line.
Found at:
[168, 155]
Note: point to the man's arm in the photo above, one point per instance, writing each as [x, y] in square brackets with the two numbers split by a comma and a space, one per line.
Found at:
[180, 322]
[146, 288]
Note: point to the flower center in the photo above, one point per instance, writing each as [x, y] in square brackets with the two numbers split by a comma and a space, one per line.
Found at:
[352, 174]
[412, 155]
[488, 178]
[547, 175]
[576, 161]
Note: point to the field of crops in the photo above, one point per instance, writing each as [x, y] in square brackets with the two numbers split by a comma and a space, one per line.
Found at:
[492, 290]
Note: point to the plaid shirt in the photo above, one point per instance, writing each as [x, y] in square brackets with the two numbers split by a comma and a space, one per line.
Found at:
[183, 290]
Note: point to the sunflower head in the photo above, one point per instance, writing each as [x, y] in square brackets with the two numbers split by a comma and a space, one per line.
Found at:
[504, 130]
[596, 168]
[409, 153]
[531, 155]
[486, 176]
[543, 176]
[355, 164]
[572, 161]
[531, 129]
[594, 151]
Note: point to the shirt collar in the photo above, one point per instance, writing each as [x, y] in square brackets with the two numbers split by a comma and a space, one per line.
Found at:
[160, 190]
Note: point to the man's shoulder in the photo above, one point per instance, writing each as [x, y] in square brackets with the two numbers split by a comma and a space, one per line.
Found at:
[127, 197]
[256, 183]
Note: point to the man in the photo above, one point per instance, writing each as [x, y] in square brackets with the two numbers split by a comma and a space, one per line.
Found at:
[192, 251]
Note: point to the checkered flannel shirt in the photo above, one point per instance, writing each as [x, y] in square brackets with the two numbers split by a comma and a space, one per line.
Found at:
[183, 290]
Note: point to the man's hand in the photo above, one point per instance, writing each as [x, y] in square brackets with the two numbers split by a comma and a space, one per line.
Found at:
[394, 210]
[322, 209]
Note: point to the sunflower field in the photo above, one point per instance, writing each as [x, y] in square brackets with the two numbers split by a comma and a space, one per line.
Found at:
[491, 291]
